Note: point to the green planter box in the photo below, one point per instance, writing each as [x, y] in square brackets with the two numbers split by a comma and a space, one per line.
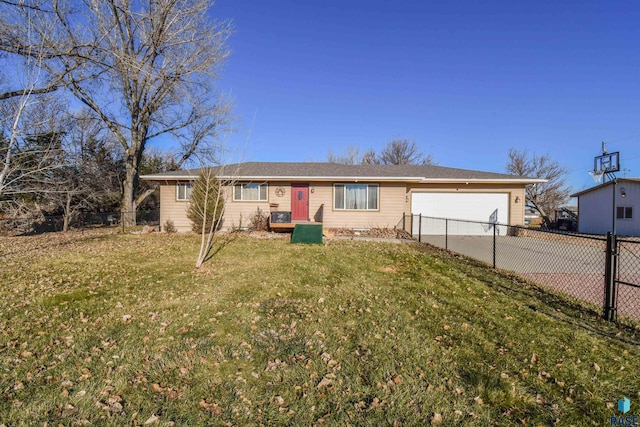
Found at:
[307, 233]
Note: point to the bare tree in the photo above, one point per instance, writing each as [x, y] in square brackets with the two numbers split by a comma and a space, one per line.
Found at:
[396, 152]
[31, 129]
[370, 157]
[30, 146]
[404, 152]
[89, 176]
[544, 197]
[144, 68]
[349, 156]
[206, 208]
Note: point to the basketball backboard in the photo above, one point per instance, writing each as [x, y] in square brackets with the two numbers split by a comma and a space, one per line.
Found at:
[606, 163]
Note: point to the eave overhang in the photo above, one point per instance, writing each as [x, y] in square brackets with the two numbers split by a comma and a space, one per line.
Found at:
[406, 179]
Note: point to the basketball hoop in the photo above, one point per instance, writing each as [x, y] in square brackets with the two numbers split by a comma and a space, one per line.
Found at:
[596, 175]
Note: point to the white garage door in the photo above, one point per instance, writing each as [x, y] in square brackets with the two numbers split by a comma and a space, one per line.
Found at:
[486, 208]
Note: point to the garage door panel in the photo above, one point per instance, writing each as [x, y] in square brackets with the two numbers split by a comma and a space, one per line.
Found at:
[480, 207]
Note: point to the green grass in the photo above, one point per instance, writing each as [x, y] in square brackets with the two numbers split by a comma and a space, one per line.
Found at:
[121, 330]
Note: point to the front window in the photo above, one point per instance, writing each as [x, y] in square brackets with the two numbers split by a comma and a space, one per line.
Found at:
[355, 196]
[183, 191]
[624, 212]
[250, 191]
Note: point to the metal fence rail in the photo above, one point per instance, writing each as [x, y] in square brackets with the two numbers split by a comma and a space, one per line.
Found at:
[576, 265]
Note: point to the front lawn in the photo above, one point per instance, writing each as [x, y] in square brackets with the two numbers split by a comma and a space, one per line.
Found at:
[119, 329]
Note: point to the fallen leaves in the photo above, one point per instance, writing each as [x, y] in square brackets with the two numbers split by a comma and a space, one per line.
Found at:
[168, 392]
[326, 382]
[534, 359]
[153, 419]
[437, 419]
[383, 347]
[211, 408]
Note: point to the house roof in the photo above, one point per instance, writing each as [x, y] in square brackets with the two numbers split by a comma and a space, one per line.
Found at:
[312, 171]
[605, 184]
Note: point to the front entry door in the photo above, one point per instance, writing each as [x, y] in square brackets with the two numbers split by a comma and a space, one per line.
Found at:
[299, 202]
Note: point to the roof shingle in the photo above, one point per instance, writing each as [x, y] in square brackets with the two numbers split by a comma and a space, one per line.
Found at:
[311, 170]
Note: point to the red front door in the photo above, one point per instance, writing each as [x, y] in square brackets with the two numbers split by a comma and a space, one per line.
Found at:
[299, 202]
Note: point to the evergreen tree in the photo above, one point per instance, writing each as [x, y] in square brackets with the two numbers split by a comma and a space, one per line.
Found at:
[206, 205]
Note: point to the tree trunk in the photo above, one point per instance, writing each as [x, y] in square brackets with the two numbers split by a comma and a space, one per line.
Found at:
[67, 214]
[545, 218]
[128, 207]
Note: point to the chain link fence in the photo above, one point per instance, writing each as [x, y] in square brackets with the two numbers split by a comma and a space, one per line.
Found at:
[84, 220]
[627, 278]
[569, 263]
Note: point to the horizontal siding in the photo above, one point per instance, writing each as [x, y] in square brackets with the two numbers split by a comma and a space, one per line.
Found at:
[238, 214]
[173, 210]
[392, 205]
[394, 200]
[391, 201]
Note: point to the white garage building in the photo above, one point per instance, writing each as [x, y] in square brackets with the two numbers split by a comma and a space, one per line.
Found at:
[595, 208]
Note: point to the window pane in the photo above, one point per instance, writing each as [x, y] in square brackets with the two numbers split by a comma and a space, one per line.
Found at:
[251, 192]
[620, 212]
[338, 203]
[373, 197]
[183, 191]
[237, 192]
[628, 212]
[263, 192]
[356, 196]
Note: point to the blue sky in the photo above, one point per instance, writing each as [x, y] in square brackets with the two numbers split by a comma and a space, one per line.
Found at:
[466, 80]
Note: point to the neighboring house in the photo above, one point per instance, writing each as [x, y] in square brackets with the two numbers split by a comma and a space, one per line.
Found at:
[595, 208]
[566, 212]
[350, 196]
[532, 217]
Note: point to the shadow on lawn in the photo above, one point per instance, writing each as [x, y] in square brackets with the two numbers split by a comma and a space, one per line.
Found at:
[220, 243]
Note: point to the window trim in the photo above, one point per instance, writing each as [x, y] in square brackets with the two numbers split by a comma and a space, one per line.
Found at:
[242, 186]
[344, 195]
[186, 185]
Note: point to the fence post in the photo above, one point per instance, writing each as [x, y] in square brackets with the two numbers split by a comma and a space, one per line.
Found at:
[403, 224]
[420, 228]
[611, 264]
[122, 218]
[494, 246]
[446, 234]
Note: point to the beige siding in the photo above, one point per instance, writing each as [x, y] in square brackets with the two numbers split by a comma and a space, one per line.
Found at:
[394, 200]
[280, 196]
[391, 205]
[173, 210]
[515, 191]
[238, 214]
